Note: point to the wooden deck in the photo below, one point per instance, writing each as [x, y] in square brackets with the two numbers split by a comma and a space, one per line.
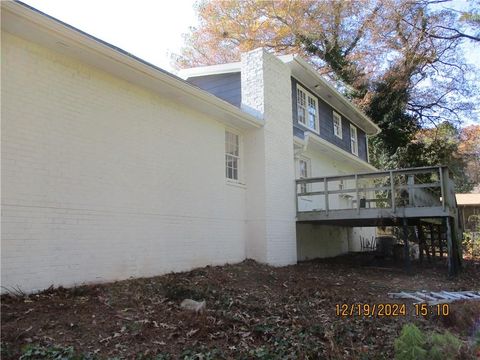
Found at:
[373, 197]
[375, 217]
[385, 198]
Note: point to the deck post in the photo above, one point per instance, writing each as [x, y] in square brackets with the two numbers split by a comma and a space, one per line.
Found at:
[452, 268]
[326, 193]
[296, 198]
[432, 241]
[411, 195]
[456, 247]
[406, 250]
[420, 244]
[357, 193]
[442, 186]
[439, 234]
[454, 254]
[423, 241]
[392, 190]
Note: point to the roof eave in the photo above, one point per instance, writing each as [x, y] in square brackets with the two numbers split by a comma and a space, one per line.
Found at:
[365, 124]
[210, 70]
[33, 25]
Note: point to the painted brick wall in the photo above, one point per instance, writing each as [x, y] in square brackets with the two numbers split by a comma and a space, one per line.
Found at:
[102, 180]
[270, 198]
[320, 241]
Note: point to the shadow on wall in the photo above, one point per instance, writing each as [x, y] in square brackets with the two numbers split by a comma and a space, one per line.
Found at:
[321, 241]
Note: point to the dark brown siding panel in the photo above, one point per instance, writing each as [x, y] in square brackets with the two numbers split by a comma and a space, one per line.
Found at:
[227, 87]
[325, 112]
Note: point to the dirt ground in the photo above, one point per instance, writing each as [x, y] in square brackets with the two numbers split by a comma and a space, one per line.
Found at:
[252, 311]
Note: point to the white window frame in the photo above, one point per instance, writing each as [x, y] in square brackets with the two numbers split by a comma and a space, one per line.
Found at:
[308, 169]
[354, 140]
[235, 155]
[303, 103]
[337, 128]
[301, 106]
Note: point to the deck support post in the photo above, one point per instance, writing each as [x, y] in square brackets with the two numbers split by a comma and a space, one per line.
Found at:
[296, 199]
[432, 241]
[392, 190]
[451, 258]
[325, 182]
[442, 186]
[357, 194]
[420, 243]
[452, 244]
[406, 250]
[423, 242]
[439, 234]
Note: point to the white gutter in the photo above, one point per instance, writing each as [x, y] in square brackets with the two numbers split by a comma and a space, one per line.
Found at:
[210, 70]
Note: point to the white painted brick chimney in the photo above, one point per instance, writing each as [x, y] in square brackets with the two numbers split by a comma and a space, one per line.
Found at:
[266, 93]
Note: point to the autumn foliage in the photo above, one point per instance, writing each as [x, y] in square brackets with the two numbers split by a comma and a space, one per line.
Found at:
[400, 61]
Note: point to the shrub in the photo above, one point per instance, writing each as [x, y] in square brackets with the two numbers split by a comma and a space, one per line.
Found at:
[471, 244]
[443, 346]
[414, 344]
[43, 352]
[411, 344]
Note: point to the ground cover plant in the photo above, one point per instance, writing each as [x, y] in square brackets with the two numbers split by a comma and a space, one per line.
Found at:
[252, 311]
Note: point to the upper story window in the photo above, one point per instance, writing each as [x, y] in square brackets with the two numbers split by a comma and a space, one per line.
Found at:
[232, 155]
[353, 140]
[337, 125]
[307, 109]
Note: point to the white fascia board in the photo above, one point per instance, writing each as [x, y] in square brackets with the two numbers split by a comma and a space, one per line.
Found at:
[366, 123]
[287, 58]
[210, 70]
[220, 68]
[30, 24]
[316, 143]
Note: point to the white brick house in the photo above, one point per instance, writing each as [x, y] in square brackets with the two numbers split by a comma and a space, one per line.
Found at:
[113, 168]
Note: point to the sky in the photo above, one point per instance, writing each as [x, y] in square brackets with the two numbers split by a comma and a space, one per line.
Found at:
[153, 29]
[149, 29]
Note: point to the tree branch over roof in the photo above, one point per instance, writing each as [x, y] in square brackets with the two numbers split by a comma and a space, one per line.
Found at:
[399, 60]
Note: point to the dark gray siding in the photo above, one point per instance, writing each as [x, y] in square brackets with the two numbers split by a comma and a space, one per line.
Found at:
[325, 113]
[298, 132]
[362, 145]
[225, 86]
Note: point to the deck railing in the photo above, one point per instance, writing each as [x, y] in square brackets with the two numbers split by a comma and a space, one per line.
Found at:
[393, 189]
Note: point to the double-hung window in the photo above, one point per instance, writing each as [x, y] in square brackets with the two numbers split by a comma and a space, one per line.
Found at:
[232, 156]
[337, 125]
[301, 106]
[353, 140]
[312, 113]
[307, 109]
